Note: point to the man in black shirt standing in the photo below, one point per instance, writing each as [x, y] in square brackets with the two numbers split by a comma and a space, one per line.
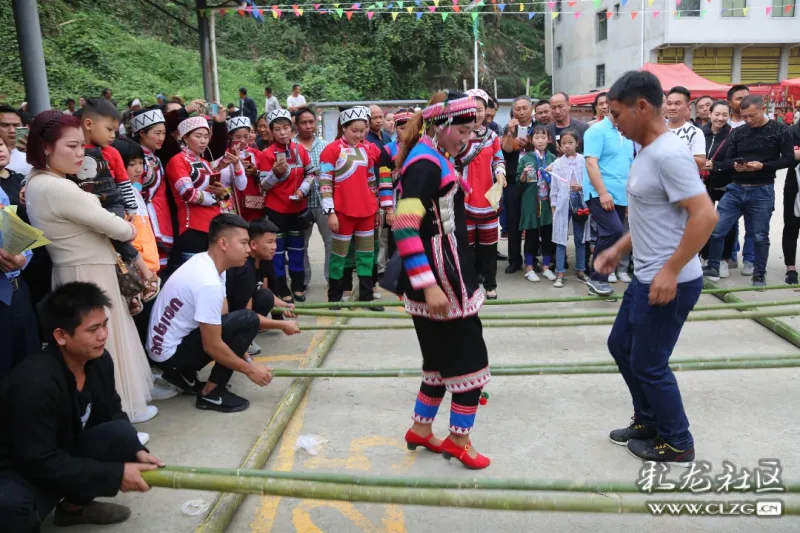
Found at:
[244, 284]
[755, 152]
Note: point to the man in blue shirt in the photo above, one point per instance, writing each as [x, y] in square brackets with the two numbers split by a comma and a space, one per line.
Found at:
[609, 156]
[19, 334]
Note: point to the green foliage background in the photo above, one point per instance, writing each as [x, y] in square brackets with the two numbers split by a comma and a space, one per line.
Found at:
[138, 52]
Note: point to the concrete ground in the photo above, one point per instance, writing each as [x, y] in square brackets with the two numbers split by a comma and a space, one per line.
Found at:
[539, 427]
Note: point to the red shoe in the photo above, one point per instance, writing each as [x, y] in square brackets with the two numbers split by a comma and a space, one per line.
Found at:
[413, 440]
[451, 449]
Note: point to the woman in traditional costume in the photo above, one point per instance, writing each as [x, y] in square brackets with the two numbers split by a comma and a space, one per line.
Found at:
[438, 282]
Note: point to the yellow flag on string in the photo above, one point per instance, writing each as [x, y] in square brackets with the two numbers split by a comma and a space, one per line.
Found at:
[436, 3]
[554, 14]
[744, 11]
[410, 10]
[522, 7]
[394, 15]
[650, 2]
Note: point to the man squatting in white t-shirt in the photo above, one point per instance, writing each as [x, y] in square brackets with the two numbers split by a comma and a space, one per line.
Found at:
[190, 325]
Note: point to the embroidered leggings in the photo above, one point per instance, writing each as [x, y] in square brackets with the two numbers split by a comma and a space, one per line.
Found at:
[290, 243]
[363, 231]
[484, 233]
[454, 358]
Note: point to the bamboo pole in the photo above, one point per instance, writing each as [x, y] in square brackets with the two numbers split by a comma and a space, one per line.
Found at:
[225, 506]
[525, 301]
[780, 328]
[472, 499]
[584, 322]
[455, 483]
[536, 316]
[538, 370]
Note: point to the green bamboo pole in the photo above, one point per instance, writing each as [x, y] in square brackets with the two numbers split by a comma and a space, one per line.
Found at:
[453, 483]
[525, 301]
[534, 370]
[780, 328]
[225, 506]
[572, 323]
[472, 499]
[536, 316]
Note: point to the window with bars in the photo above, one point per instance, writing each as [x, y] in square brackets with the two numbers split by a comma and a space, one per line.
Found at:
[733, 8]
[690, 8]
[783, 8]
[600, 76]
[602, 25]
[559, 56]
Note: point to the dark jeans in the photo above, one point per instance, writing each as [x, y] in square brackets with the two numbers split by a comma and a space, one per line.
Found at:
[641, 342]
[239, 329]
[24, 504]
[533, 245]
[730, 239]
[512, 209]
[609, 229]
[756, 203]
[19, 330]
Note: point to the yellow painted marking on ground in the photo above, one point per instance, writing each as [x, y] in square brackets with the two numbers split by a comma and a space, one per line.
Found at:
[284, 461]
[278, 358]
[357, 459]
[301, 518]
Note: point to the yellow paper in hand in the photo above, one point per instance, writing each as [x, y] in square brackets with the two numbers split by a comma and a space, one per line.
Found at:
[17, 236]
[494, 195]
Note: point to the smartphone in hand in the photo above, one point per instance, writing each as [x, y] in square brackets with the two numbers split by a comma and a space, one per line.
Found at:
[215, 178]
[22, 136]
[280, 156]
[213, 109]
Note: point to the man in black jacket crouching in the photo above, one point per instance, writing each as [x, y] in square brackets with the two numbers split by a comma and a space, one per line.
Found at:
[65, 440]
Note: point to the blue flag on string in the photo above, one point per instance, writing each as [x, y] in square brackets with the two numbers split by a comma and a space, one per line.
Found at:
[531, 15]
[502, 7]
[419, 15]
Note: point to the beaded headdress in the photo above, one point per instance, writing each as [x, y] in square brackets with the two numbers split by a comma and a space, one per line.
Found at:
[479, 93]
[235, 123]
[277, 114]
[191, 124]
[354, 113]
[151, 117]
[456, 111]
[401, 117]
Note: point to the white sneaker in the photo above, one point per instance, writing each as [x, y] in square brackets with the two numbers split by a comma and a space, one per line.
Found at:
[549, 274]
[144, 438]
[162, 390]
[723, 269]
[623, 277]
[376, 295]
[747, 269]
[559, 283]
[531, 276]
[149, 413]
[612, 278]
[254, 348]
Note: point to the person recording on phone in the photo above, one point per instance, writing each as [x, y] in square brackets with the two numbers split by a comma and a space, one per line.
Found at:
[287, 174]
[234, 177]
[755, 152]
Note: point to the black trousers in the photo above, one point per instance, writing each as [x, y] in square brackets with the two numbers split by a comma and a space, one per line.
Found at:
[511, 204]
[239, 329]
[791, 223]
[19, 330]
[532, 244]
[263, 301]
[189, 243]
[24, 504]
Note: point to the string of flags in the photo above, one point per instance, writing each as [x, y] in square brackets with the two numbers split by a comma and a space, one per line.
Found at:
[473, 8]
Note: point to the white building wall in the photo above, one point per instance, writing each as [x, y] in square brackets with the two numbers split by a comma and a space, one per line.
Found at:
[622, 51]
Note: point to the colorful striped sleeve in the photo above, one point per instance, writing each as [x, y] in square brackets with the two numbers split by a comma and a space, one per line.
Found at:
[498, 161]
[310, 171]
[327, 168]
[385, 188]
[408, 220]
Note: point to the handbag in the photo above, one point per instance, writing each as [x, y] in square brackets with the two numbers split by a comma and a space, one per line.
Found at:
[252, 201]
[577, 207]
[306, 219]
[129, 278]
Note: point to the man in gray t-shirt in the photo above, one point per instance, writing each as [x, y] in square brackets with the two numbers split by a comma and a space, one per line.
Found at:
[662, 175]
[671, 217]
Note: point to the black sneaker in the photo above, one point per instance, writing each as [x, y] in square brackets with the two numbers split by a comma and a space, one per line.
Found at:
[759, 281]
[711, 273]
[222, 400]
[188, 384]
[791, 277]
[658, 450]
[634, 431]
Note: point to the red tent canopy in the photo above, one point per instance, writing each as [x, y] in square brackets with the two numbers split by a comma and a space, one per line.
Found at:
[794, 82]
[679, 74]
